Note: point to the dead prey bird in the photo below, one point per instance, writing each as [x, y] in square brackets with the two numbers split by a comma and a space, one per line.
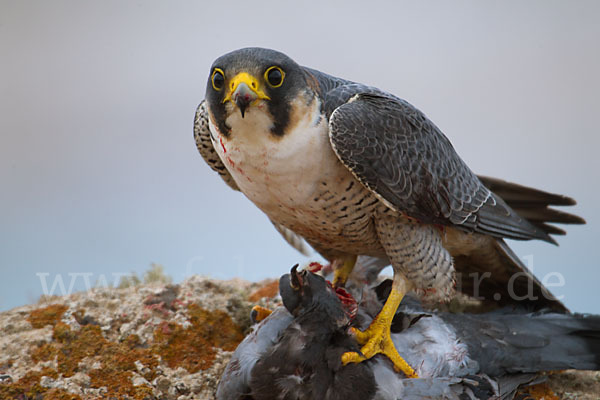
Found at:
[295, 352]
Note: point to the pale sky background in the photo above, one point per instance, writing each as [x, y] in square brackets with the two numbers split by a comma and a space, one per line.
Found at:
[99, 173]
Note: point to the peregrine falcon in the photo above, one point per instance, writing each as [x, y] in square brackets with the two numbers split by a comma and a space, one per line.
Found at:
[354, 170]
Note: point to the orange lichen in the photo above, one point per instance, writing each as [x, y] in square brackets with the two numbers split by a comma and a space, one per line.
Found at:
[118, 383]
[118, 364]
[193, 348]
[70, 347]
[117, 359]
[59, 394]
[539, 392]
[29, 387]
[46, 316]
[269, 290]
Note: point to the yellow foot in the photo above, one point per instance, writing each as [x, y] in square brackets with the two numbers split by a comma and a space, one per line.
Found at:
[342, 268]
[259, 313]
[376, 339]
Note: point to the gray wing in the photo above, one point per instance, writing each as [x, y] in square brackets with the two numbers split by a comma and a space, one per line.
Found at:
[235, 381]
[472, 387]
[506, 341]
[210, 156]
[401, 156]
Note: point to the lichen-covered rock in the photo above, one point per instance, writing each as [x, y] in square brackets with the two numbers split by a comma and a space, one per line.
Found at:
[152, 341]
[140, 342]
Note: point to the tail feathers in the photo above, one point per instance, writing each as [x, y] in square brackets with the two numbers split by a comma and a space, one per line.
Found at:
[549, 215]
[498, 219]
[509, 343]
[534, 205]
[550, 229]
[516, 194]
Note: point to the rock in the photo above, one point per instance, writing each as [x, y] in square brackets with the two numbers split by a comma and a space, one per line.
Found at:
[139, 381]
[161, 383]
[47, 382]
[131, 342]
[182, 388]
[79, 379]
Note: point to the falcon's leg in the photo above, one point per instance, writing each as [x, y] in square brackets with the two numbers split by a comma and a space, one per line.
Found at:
[342, 268]
[377, 339]
[419, 259]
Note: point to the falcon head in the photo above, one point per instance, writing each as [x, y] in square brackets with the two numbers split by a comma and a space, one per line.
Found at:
[254, 86]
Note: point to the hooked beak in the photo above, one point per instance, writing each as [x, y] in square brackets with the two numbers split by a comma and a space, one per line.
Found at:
[294, 278]
[244, 90]
[243, 96]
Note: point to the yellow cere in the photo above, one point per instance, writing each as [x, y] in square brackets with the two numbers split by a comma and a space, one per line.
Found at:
[251, 81]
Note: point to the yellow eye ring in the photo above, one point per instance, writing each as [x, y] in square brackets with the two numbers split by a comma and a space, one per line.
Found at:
[218, 79]
[274, 76]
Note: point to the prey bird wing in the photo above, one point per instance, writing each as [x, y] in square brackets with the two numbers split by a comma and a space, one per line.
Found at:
[400, 155]
[210, 156]
[235, 381]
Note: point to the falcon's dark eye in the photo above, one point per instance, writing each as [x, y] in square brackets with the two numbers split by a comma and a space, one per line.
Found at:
[274, 76]
[218, 79]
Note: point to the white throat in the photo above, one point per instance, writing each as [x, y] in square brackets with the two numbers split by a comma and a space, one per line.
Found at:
[276, 170]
